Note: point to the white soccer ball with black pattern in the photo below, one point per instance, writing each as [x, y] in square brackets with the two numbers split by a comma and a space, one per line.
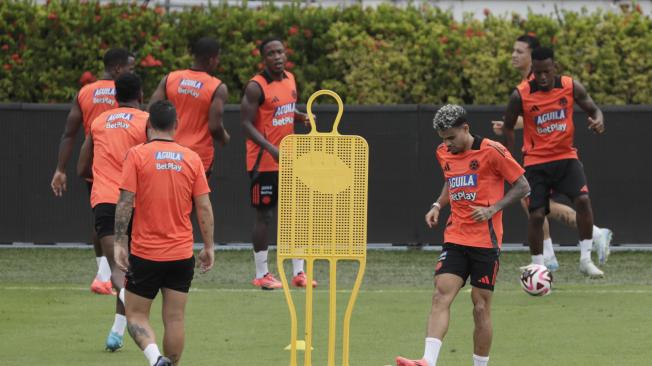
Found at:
[536, 280]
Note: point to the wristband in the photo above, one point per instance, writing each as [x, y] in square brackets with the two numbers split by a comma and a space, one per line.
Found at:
[436, 204]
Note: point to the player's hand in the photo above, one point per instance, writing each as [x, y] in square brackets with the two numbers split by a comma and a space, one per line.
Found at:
[225, 139]
[596, 125]
[306, 121]
[121, 257]
[206, 260]
[58, 183]
[481, 213]
[498, 127]
[432, 217]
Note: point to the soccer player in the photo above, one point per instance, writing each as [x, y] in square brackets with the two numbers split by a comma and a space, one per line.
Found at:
[92, 100]
[268, 114]
[522, 61]
[475, 170]
[111, 135]
[163, 179]
[550, 158]
[199, 100]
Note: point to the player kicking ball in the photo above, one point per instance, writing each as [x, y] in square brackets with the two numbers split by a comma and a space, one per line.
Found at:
[475, 170]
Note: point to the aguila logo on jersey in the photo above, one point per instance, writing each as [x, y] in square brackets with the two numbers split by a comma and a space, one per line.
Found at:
[190, 87]
[104, 96]
[558, 115]
[118, 120]
[169, 155]
[463, 181]
[283, 115]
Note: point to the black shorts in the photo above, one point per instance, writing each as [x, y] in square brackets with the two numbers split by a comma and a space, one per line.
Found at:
[481, 264]
[564, 177]
[145, 277]
[105, 220]
[264, 189]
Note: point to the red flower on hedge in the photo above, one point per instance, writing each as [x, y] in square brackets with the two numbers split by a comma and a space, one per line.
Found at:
[150, 61]
[16, 58]
[262, 23]
[255, 52]
[259, 42]
[553, 40]
[443, 39]
[5, 47]
[293, 30]
[53, 16]
[469, 32]
[289, 65]
[531, 34]
[159, 10]
[307, 33]
[98, 18]
[260, 66]
[7, 67]
[289, 51]
[486, 12]
[87, 78]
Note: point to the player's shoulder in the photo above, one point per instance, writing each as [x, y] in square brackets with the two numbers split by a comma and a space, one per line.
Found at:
[567, 81]
[441, 149]
[494, 148]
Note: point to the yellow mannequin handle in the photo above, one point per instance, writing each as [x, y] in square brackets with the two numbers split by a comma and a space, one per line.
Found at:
[340, 111]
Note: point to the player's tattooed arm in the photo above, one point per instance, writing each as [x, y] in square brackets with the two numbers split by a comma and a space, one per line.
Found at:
[584, 100]
[514, 110]
[123, 211]
[519, 189]
[215, 114]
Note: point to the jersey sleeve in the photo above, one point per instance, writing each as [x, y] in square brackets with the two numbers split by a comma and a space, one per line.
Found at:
[129, 181]
[504, 164]
[201, 184]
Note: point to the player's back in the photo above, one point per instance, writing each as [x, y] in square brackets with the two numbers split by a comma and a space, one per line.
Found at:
[548, 126]
[114, 132]
[192, 93]
[94, 99]
[167, 177]
[476, 178]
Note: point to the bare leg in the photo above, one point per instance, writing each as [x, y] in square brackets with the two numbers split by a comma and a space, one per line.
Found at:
[564, 214]
[174, 307]
[264, 218]
[535, 230]
[584, 216]
[137, 309]
[117, 276]
[483, 331]
[97, 246]
[546, 225]
[446, 288]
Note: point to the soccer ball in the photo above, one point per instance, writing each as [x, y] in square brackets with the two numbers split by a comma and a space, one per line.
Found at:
[536, 280]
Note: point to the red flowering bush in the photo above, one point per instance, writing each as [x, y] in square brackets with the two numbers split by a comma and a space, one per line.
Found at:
[370, 56]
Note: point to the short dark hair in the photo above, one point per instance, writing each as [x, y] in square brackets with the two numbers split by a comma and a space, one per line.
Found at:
[116, 57]
[543, 53]
[162, 115]
[128, 88]
[267, 40]
[205, 48]
[531, 41]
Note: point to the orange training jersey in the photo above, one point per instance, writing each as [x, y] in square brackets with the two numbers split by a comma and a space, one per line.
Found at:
[165, 177]
[275, 118]
[547, 121]
[192, 93]
[94, 99]
[476, 178]
[114, 132]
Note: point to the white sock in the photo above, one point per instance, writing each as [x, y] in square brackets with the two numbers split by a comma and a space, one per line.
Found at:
[585, 248]
[537, 259]
[261, 263]
[480, 360]
[596, 231]
[104, 271]
[297, 265]
[121, 295]
[119, 324]
[548, 251]
[431, 352]
[152, 353]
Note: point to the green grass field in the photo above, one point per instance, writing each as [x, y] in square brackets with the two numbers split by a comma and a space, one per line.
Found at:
[48, 316]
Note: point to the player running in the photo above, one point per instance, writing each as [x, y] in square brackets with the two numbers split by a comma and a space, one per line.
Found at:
[475, 170]
[199, 100]
[268, 114]
[522, 61]
[550, 158]
[111, 135]
[163, 179]
[92, 100]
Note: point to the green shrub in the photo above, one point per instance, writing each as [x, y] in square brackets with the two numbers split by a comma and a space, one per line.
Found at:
[385, 55]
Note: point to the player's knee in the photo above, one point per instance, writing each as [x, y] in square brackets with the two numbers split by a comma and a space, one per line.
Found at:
[264, 216]
[480, 311]
[583, 202]
[537, 216]
[441, 299]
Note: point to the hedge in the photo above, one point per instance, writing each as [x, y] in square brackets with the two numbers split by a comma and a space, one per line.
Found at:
[383, 55]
